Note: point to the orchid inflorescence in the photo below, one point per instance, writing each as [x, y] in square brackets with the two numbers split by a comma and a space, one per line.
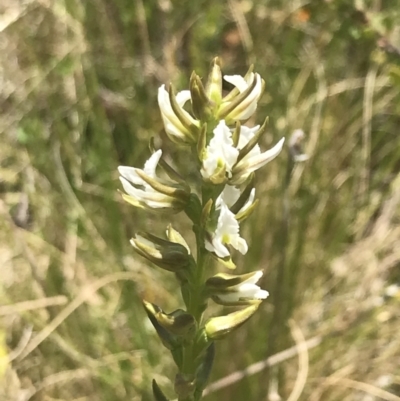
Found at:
[220, 197]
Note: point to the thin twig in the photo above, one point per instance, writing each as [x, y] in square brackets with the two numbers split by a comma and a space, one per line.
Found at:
[259, 366]
[302, 351]
[33, 304]
[243, 27]
[361, 386]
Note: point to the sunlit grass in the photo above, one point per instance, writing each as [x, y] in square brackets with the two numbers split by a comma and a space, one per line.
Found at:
[78, 98]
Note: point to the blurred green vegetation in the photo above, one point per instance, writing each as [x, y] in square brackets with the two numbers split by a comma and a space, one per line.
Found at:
[78, 87]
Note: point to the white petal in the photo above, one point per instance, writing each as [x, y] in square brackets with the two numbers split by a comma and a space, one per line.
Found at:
[148, 196]
[255, 277]
[171, 122]
[250, 293]
[237, 81]
[249, 202]
[217, 247]
[229, 196]
[240, 244]
[151, 164]
[182, 97]
[246, 133]
[220, 151]
[249, 105]
[228, 230]
[255, 162]
[128, 187]
[129, 173]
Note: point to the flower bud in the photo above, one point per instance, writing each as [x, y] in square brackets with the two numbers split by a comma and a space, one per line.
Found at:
[179, 322]
[218, 327]
[179, 125]
[241, 103]
[168, 339]
[236, 290]
[168, 255]
[200, 102]
[214, 83]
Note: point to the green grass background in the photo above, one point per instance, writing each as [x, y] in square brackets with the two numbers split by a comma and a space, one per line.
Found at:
[78, 88]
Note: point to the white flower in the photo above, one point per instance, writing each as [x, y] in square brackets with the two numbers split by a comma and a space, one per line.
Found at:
[231, 194]
[177, 126]
[227, 233]
[244, 291]
[141, 194]
[220, 153]
[255, 159]
[241, 109]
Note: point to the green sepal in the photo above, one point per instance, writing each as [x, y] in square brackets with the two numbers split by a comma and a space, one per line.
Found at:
[253, 142]
[214, 82]
[174, 208]
[205, 214]
[177, 355]
[218, 327]
[225, 109]
[201, 143]
[186, 292]
[132, 201]
[202, 342]
[247, 213]
[236, 134]
[235, 91]
[192, 130]
[179, 194]
[226, 262]
[200, 102]
[158, 394]
[204, 370]
[193, 208]
[175, 236]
